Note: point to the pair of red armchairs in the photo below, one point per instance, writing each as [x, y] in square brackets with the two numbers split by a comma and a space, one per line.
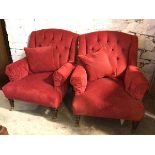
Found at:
[101, 67]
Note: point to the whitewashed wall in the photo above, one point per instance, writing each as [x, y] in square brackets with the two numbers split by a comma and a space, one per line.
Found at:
[19, 29]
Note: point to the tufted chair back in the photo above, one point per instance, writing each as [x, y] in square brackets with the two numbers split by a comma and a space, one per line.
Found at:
[123, 47]
[63, 42]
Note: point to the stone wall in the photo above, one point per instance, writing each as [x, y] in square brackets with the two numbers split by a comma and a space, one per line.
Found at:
[19, 29]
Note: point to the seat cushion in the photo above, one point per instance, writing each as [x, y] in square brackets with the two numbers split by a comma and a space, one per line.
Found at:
[97, 65]
[40, 59]
[107, 98]
[37, 88]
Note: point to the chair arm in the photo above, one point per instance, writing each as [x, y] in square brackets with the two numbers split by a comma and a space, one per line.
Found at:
[61, 75]
[17, 70]
[135, 82]
[79, 80]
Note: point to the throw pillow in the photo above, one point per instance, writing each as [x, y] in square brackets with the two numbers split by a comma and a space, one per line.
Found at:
[40, 59]
[97, 65]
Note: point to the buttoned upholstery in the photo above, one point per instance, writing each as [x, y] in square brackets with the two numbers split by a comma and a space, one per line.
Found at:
[62, 41]
[39, 87]
[110, 97]
[123, 47]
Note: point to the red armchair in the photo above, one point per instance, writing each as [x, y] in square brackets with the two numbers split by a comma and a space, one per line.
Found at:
[114, 87]
[49, 87]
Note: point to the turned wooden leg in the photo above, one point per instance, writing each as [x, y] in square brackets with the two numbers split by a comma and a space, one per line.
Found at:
[77, 120]
[11, 104]
[122, 121]
[135, 125]
[54, 113]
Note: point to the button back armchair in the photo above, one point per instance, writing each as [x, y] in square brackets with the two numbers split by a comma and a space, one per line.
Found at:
[41, 77]
[107, 81]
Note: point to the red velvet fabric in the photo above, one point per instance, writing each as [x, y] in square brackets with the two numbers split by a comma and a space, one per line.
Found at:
[40, 59]
[123, 47]
[79, 80]
[97, 65]
[135, 82]
[109, 97]
[61, 75]
[106, 98]
[64, 44]
[36, 88]
[39, 87]
[17, 70]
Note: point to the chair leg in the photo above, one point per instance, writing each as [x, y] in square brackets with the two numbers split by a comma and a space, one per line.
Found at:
[122, 121]
[11, 104]
[54, 113]
[135, 125]
[77, 120]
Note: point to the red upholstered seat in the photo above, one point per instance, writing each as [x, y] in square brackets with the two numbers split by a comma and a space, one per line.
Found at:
[36, 88]
[105, 97]
[41, 86]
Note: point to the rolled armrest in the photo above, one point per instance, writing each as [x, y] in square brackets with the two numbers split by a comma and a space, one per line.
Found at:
[79, 80]
[61, 75]
[17, 70]
[135, 82]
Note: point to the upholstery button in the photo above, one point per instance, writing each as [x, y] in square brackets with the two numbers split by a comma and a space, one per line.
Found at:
[108, 41]
[117, 58]
[112, 49]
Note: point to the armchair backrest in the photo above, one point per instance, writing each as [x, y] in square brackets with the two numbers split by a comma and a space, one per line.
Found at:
[123, 47]
[63, 42]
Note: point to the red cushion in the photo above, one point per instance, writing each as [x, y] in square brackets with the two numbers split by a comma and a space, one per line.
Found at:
[107, 98]
[36, 88]
[17, 70]
[61, 75]
[97, 65]
[40, 59]
[79, 80]
[123, 47]
[63, 42]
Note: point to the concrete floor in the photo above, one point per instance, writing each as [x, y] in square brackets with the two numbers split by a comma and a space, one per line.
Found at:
[30, 119]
